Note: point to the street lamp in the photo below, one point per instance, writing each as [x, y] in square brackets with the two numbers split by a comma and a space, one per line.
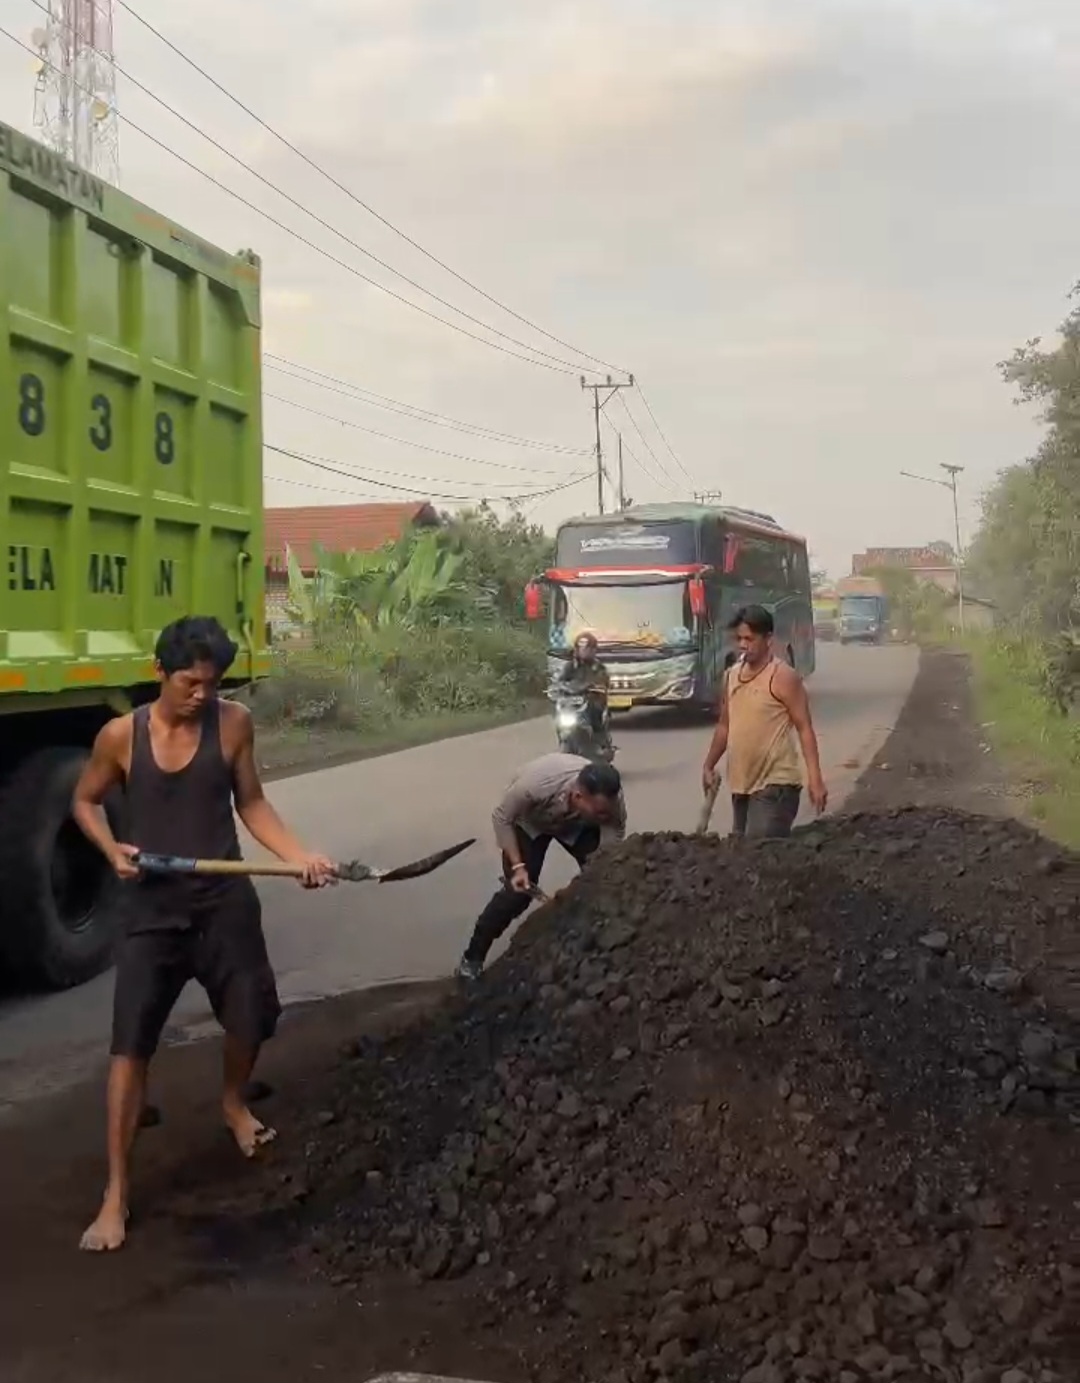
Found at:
[952, 472]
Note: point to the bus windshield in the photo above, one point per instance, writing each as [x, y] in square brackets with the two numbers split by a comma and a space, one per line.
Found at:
[649, 616]
[859, 604]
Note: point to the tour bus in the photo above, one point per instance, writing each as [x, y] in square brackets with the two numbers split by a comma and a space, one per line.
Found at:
[658, 584]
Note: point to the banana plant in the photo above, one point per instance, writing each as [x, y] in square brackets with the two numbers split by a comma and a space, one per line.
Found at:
[414, 582]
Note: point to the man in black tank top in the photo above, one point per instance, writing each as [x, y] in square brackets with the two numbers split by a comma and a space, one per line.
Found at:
[182, 762]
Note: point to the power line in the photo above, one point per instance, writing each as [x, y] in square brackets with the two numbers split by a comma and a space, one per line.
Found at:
[345, 389]
[310, 244]
[319, 220]
[282, 139]
[664, 482]
[665, 478]
[473, 499]
[648, 446]
[429, 479]
[419, 446]
[663, 436]
[322, 464]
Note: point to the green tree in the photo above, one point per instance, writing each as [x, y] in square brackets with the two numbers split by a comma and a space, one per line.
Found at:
[1026, 554]
[501, 556]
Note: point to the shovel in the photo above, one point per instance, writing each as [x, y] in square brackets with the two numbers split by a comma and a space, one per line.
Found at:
[352, 872]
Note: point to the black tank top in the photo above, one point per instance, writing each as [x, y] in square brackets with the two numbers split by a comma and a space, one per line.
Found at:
[187, 813]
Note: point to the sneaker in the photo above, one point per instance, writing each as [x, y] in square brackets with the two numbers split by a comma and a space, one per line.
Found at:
[469, 970]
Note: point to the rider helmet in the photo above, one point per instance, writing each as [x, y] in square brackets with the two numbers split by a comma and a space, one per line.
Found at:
[585, 647]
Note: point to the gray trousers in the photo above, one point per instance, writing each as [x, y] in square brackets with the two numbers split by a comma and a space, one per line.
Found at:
[766, 815]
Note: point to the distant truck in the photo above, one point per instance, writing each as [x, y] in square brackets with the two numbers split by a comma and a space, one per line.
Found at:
[131, 494]
[864, 610]
[826, 616]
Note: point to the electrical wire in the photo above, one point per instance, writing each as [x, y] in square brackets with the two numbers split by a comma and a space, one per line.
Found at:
[476, 499]
[430, 479]
[663, 435]
[418, 446]
[665, 483]
[299, 153]
[319, 220]
[648, 447]
[345, 389]
[300, 238]
[322, 464]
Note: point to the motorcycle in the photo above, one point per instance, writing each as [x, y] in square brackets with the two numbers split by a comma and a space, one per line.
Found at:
[574, 730]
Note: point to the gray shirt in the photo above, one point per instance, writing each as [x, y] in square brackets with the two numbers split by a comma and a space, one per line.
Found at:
[538, 801]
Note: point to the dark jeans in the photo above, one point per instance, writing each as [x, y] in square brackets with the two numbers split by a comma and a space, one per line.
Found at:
[506, 904]
[765, 815]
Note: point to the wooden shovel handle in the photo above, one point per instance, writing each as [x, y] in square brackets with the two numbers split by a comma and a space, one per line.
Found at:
[174, 864]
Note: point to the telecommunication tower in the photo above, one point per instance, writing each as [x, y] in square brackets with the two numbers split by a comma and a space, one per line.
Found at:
[75, 97]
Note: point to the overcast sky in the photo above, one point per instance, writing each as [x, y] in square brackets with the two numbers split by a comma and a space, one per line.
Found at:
[812, 227]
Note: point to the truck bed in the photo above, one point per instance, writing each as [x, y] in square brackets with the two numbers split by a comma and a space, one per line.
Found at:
[130, 432]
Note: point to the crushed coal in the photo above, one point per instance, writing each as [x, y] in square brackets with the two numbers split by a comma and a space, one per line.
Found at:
[793, 1111]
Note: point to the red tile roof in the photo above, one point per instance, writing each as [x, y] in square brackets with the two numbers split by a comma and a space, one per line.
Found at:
[339, 528]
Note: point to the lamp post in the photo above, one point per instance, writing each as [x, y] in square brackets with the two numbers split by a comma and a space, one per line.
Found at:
[952, 472]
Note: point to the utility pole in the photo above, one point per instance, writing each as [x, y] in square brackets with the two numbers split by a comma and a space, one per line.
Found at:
[952, 472]
[622, 486]
[951, 485]
[613, 388]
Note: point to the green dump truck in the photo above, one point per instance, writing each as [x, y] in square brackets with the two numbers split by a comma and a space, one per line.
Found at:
[130, 494]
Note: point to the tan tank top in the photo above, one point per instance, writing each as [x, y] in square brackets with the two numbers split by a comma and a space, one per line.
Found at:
[761, 739]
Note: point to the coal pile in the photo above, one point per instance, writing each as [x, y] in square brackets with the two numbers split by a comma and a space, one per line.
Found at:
[773, 1113]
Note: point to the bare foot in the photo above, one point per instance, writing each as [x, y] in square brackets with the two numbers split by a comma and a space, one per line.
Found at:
[108, 1231]
[250, 1133]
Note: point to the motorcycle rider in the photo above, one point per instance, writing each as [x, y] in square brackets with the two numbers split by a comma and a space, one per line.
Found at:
[585, 675]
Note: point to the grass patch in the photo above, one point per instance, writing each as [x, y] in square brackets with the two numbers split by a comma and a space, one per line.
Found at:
[1038, 747]
[362, 693]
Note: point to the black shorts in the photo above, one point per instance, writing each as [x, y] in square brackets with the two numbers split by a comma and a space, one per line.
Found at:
[766, 815]
[219, 942]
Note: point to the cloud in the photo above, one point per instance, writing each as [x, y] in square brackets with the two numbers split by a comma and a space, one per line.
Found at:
[811, 226]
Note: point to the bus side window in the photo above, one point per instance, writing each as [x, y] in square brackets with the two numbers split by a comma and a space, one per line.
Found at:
[745, 561]
[800, 570]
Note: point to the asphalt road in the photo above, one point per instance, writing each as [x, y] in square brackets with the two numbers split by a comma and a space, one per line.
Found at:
[393, 809]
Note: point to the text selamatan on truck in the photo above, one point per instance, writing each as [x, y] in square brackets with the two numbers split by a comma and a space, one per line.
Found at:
[131, 479]
[864, 610]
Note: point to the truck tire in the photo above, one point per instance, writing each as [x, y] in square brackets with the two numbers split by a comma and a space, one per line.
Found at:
[57, 893]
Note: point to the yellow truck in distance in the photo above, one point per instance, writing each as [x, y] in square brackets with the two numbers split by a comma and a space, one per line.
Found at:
[130, 494]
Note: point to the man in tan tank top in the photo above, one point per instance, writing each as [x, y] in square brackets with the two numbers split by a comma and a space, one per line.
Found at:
[763, 710]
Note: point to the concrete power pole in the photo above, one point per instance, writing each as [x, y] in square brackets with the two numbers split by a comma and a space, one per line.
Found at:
[613, 388]
[953, 472]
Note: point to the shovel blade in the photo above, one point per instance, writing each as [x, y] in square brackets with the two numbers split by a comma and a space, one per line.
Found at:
[427, 865]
